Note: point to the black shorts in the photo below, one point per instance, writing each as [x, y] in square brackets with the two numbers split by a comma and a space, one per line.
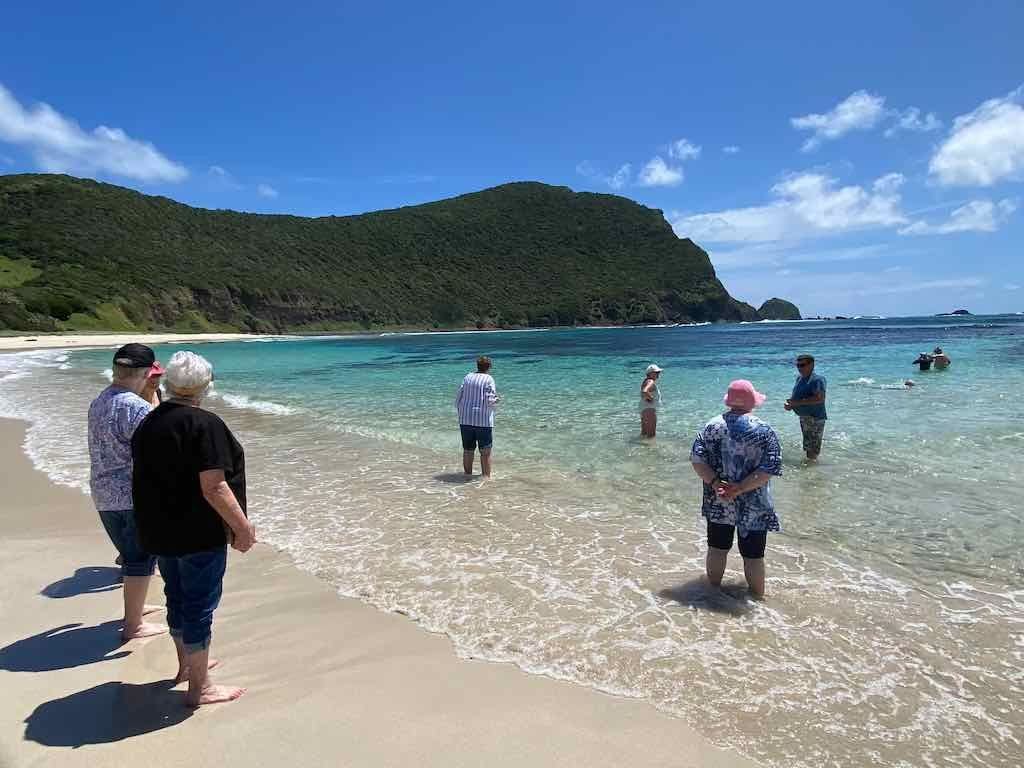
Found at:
[476, 436]
[751, 546]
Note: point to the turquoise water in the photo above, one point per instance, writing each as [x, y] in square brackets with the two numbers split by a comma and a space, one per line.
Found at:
[894, 629]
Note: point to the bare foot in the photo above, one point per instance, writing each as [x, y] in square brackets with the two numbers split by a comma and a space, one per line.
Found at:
[148, 609]
[183, 673]
[144, 629]
[214, 694]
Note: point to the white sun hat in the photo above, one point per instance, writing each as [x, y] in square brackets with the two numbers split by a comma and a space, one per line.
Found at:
[652, 368]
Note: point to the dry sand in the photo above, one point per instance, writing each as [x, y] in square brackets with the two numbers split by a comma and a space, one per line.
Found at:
[332, 682]
[85, 340]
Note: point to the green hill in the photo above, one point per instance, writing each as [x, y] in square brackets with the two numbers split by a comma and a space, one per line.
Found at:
[77, 254]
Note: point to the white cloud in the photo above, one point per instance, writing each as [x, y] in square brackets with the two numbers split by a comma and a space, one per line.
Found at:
[806, 205]
[860, 111]
[920, 285]
[59, 145]
[683, 150]
[265, 190]
[732, 149]
[910, 120]
[223, 177]
[975, 216]
[781, 254]
[985, 146]
[616, 181]
[620, 178]
[658, 173]
[1011, 287]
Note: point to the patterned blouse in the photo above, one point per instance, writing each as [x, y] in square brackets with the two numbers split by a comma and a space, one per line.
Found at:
[113, 417]
[734, 445]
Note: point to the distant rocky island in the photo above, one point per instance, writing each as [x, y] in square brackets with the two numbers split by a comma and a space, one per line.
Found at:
[954, 312]
[77, 254]
[779, 309]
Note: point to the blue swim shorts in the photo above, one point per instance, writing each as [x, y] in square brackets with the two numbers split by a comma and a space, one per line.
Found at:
[476, 436]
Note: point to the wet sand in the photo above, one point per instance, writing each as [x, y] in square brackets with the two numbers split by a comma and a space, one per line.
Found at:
[331, 681]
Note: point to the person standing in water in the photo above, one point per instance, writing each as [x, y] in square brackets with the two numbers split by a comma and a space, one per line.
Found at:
[736, 455]
[475, 404]
[924, 361]
[650, 401]
[808, 401]
[940, 359]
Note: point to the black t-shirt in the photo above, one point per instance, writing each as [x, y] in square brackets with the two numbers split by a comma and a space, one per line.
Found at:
[169, 449]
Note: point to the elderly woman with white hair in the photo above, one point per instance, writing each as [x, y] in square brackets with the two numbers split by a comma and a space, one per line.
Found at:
[189, 489]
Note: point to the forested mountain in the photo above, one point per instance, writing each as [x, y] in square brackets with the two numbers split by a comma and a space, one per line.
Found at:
[79, 254]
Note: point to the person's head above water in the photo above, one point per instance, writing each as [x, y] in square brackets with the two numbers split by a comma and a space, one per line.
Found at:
[653, 371]
[938, 351]
[742, 397]
[483, 364]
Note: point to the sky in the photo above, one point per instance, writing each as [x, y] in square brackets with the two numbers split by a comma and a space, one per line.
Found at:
[867, 159]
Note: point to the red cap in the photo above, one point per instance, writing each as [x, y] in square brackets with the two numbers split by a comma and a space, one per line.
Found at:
[156, 370]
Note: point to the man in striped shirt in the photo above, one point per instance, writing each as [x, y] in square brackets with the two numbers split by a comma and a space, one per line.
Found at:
[475, 404]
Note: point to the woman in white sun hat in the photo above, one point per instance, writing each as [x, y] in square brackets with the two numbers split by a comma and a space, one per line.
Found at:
[650, 401]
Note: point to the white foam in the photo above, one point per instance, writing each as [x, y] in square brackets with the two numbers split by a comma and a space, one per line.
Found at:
[260, 406]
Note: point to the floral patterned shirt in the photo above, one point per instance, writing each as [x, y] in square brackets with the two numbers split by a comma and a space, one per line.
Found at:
[113, 417]
[734, 445]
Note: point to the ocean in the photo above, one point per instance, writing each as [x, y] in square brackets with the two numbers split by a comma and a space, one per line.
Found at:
[893, 633]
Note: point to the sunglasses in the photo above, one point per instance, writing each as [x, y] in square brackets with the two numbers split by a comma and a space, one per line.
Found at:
[802, 364]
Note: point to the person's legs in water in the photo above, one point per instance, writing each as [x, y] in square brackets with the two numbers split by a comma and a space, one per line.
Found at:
[719, 544]
[812, 430]
[468, 447]
[648, 422]
[752, 549]
[136, 569]
[201, 577]
[485, 437]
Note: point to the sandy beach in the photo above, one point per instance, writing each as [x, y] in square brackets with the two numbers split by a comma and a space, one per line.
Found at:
[87, 340]
[331, 681]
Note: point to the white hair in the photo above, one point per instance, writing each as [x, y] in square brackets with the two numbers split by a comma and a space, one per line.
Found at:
[126, 375]
[188, 375]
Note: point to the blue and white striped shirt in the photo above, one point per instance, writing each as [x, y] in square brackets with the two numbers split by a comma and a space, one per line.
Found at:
[476, 399]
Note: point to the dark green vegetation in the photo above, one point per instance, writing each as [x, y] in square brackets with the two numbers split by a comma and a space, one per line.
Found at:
[779, 309]
[81, 255]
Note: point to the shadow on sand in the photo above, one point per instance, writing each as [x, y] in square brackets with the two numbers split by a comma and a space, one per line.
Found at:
[72, 645]
[106, 713]
[86, 581]
[732, 599]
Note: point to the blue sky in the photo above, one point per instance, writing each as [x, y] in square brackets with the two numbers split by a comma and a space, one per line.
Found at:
[863, 160]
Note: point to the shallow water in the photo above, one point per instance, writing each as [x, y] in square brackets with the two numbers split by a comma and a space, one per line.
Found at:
[894, 631]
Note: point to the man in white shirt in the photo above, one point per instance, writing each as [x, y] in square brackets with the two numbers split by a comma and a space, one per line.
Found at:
[475, 404]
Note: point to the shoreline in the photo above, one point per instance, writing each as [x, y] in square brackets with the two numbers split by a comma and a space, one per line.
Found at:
[330, 678]
[100, 340]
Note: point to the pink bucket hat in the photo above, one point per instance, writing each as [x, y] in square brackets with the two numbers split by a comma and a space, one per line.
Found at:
[742, 396]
